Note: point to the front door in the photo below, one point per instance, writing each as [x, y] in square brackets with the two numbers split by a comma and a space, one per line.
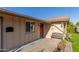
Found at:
[41, 30]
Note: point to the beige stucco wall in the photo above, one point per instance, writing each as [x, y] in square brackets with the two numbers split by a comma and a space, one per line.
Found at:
[19, 36]
[54, 29]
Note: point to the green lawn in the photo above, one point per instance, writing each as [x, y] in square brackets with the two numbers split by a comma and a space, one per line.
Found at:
[75, 41]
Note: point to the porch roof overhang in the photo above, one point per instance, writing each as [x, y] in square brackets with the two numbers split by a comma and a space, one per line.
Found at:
[20, 15]
[49, 21]
[58, 19]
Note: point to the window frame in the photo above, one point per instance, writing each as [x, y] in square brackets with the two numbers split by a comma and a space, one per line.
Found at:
[31, 26]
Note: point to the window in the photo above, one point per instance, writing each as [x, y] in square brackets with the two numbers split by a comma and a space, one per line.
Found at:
[27, 26]
[9, 29]
[30, 26]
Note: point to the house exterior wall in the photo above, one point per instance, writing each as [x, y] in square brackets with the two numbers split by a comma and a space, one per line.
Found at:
[19, 36]
[46, 29]
[60, 26]
[56, 28]
[77, 29]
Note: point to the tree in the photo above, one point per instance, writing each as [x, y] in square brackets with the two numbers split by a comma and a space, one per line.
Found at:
[70, 27]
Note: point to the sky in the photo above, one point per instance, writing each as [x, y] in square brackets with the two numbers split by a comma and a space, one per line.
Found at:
[48, 12]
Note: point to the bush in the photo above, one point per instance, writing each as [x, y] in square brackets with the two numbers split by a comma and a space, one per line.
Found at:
[70, 27]
[61, 45]
[68, 37]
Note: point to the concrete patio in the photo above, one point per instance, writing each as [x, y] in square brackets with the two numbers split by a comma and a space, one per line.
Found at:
[41, 45]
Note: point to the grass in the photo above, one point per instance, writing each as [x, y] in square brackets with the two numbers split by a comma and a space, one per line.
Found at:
[75, 41]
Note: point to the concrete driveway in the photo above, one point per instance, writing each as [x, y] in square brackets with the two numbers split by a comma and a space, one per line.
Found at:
[41, 45]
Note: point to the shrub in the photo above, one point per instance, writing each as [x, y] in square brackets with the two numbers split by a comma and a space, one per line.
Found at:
[61, 45]
[70, 27]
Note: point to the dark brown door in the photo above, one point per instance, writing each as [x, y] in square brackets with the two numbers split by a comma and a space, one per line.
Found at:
[41, 30]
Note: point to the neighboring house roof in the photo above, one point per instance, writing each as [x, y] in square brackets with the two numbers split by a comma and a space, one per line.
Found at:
[52, 20]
